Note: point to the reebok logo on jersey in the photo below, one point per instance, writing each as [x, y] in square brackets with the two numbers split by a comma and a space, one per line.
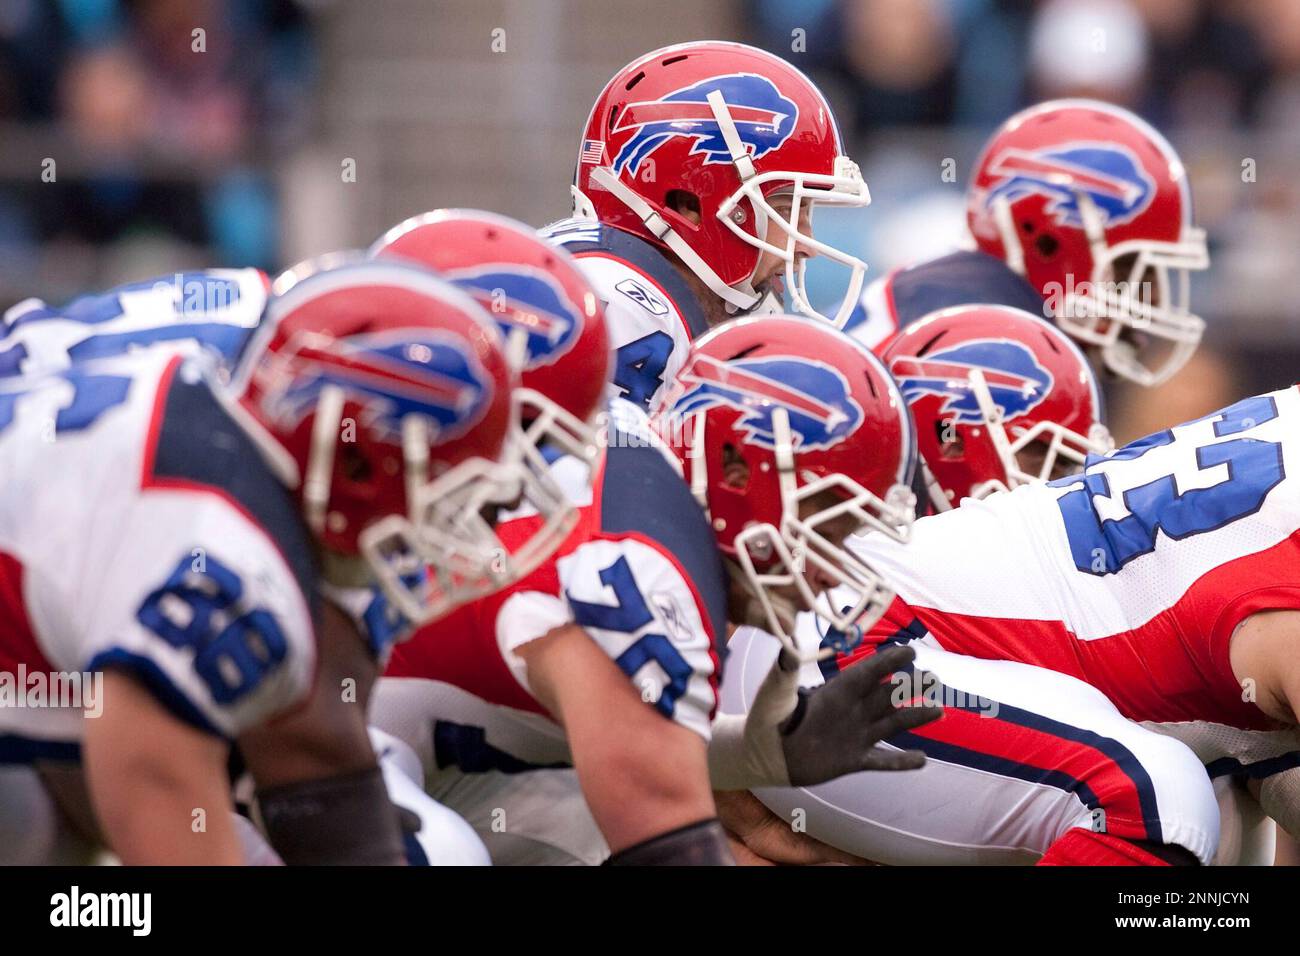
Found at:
[642, 296]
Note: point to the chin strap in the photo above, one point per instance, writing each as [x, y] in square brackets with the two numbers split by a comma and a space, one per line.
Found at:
[1012, 251]
[730, 136]
[320, 460]
[659, 228]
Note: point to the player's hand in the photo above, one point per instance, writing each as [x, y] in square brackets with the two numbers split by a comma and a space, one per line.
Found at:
[793, 736]
[758, 837]
[836, 728]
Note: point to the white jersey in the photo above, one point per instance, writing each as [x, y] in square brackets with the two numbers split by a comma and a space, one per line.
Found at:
[651, 314]
[1131, 576]
[140, 528]
[209, 313]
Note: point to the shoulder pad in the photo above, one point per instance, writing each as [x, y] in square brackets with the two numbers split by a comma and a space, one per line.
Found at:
[643, 494]
[961, 278]
[650, 275]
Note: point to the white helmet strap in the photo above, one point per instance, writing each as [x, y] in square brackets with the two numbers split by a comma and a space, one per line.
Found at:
[743, 163]
[737, 298]
[320, 457]
[1012, 251]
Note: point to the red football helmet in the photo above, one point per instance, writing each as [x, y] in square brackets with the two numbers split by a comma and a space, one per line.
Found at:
[1000, 398]
[732, 126]
[553, 325]
[773, 417]
[378, 392]
[1093, 207]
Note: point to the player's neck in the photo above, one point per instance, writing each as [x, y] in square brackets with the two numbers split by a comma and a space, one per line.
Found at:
[715, 310]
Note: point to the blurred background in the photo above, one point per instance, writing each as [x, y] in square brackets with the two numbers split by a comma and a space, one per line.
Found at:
[142, 137]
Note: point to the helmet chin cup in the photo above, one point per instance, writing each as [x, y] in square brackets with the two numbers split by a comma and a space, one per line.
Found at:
[777, 562]
[1153, 298]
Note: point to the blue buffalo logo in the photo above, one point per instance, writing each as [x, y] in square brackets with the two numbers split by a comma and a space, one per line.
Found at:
[1109, 175]
[764, 120]
[815, 397]
[1016, 381]
[392, 375]
[518, 297]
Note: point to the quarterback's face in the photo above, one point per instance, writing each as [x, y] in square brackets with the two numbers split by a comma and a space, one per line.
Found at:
[770, 266]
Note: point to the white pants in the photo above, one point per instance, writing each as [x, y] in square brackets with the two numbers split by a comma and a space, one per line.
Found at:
[523, 816]
[1033, 754]
[444, 838]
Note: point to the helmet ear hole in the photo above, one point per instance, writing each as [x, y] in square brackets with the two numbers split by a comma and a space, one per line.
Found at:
[353, 464]
[951, 443]
[735, 470]
[1046, 245]
[684, 203]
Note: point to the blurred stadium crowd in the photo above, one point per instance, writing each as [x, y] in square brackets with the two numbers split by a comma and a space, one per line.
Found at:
[167, 159]
[159, 152]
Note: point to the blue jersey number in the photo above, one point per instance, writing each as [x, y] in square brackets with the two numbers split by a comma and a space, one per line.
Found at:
[639, 366]
[1254, 469]
[92, 395]
[197, 296]
[197, 292]
[234, 647]
[628, 616]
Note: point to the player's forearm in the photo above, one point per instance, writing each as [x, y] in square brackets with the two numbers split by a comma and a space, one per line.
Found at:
[326, 734]
[641, 774]
[640, 790]
[320, 792]
[159, 786]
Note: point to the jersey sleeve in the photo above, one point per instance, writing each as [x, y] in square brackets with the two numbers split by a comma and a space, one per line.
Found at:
[636, 604]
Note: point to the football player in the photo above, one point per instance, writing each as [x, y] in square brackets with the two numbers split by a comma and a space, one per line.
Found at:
[202, 524]
[606, 659]
[698, 173]
[999, 398]
[1161, 576]
[1078, 211]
